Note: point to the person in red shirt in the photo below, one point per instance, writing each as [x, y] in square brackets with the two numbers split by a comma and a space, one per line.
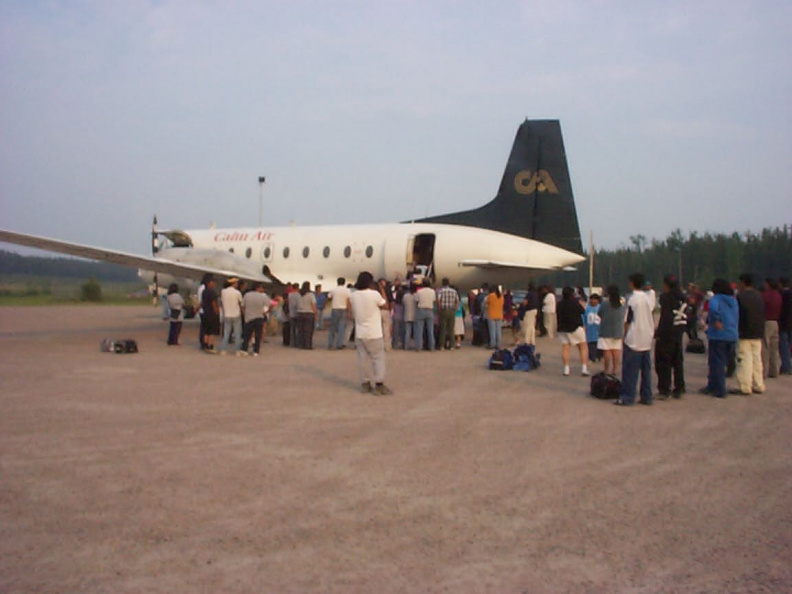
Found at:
[772, 309]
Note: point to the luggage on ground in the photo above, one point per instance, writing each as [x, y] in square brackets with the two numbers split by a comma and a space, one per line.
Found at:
[126, 345]
[605, 386]
[696, 345]
[526, 358]
[501, 360]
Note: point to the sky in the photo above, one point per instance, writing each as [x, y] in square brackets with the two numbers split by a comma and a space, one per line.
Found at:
[675, 114]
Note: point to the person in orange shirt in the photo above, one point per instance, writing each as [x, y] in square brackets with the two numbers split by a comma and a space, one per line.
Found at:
[494, 305]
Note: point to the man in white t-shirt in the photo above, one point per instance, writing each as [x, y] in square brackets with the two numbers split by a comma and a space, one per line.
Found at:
[638, 336]
[425, 299]
[549, 313]
[339, 302]
[366, 304]
[231, 304]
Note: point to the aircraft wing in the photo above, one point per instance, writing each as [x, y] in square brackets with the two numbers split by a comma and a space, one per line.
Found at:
[492, 265]
[151, 263]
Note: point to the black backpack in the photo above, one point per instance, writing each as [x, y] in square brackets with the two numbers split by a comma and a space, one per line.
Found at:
[122, 346]
[501, 360]
[605, 386]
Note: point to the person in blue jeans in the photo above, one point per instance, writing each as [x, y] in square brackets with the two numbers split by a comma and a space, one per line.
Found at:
[493, 306]
[722, 335]
[339, 303]
[637, 353]
[424, 316]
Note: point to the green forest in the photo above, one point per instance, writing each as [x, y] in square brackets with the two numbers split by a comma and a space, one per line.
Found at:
[12, 264]
[693, 258]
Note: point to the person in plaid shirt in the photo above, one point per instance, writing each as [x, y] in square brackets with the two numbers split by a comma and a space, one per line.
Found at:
[447, 303]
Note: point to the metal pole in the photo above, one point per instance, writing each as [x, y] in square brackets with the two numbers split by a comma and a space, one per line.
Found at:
[591, 261]
[261, 179]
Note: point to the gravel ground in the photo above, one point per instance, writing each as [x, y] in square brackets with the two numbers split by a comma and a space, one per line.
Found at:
[174, 471]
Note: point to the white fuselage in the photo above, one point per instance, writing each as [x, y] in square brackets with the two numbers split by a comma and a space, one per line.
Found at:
[322, 254]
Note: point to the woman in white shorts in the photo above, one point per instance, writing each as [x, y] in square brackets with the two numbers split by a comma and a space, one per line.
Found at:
[571, 330]
[612, 314]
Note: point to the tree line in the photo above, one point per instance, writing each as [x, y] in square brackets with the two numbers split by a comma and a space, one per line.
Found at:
[12, 263]
[693, 258]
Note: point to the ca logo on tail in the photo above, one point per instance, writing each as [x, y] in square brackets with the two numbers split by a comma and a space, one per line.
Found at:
[526, 183]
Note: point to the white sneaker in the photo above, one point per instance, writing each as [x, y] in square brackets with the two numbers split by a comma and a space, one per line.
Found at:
[223, 353]
[566, 369]
[585, 372]
[242, 354]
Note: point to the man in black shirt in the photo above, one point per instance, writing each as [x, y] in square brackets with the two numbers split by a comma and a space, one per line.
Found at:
[211, 316]
[668, 339]
[751, 330]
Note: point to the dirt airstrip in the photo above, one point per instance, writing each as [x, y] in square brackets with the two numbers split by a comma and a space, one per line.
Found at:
[175, 471]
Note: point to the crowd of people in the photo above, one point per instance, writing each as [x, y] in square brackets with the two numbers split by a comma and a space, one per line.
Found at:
[747, 331]
[748, 335]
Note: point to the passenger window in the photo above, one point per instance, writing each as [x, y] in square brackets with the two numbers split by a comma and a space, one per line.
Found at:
[286, 252]
[369, 252]
[306, 252]
[347, 252]
[326, 252]
[231, 250]
[267, 252]
[248, 253]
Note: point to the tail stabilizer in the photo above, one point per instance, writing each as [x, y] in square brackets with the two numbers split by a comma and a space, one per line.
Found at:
[535, 196]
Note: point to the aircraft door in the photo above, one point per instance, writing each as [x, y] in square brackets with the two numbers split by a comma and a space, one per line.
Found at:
[423, 247]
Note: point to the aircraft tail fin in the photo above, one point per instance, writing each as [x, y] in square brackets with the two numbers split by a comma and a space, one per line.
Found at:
[535, 196]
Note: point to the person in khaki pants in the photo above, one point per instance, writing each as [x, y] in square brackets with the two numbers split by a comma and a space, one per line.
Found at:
[771, 297]
[751, 332]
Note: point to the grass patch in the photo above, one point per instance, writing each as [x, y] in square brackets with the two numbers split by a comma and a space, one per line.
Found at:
[32, 290]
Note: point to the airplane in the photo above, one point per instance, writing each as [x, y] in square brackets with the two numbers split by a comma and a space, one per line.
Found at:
[529, 228]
